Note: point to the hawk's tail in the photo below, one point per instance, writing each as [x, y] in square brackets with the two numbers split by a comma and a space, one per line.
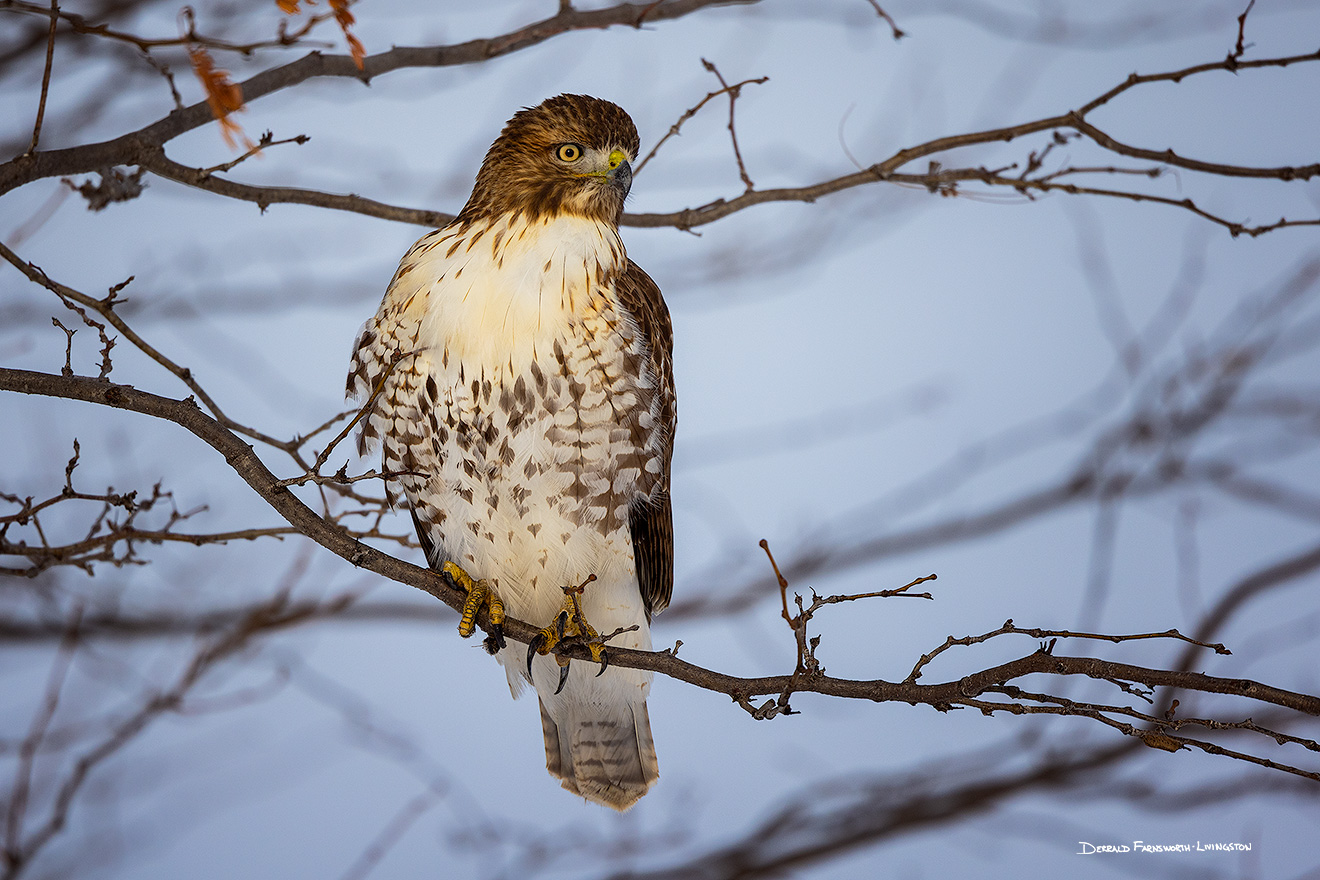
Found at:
[602, 752]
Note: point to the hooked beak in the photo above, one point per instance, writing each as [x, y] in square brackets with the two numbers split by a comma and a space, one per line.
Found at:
[620, 175]
[616, 171]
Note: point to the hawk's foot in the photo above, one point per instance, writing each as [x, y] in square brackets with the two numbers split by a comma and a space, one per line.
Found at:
[569, 624]
[479, 593]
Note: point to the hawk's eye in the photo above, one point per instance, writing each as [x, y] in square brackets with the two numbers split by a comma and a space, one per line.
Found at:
[568, 152]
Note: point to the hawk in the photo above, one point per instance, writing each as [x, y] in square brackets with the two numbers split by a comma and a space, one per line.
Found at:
[519, 380]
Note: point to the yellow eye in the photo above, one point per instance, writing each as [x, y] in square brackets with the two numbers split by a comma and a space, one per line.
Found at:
[568, 152]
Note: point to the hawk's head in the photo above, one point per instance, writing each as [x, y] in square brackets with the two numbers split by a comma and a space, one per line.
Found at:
[567, 155]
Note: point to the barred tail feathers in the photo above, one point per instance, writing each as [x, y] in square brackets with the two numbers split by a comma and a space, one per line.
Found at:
[602, 752]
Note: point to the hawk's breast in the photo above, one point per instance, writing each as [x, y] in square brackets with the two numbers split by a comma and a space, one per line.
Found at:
[536, 407]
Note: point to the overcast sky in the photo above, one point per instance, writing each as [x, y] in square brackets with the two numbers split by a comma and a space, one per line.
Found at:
[874, 361]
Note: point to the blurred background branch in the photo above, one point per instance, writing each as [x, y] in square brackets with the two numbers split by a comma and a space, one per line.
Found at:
[1090, 414]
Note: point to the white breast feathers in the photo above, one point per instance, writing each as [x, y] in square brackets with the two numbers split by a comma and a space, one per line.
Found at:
[499, 294]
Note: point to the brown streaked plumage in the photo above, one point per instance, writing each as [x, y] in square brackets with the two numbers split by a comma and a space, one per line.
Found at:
[520, 175]
[527, 405]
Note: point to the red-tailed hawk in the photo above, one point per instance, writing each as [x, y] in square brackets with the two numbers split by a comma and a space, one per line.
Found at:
[524, 395]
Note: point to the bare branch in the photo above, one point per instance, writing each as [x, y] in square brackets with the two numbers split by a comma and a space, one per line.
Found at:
[146, 147]
[1009, 628]
[314, 472]
[831, 818]
[1215, 424]
[406, 816]
[79, 24]
[1241, 46]
[733, 92]
[45, 78]
[166, 700]
[898, 32]
[961, 692]
[106, 308]
[18, 799]
[267, 140]
[689, 113]
[124, 625]
[128, 149]
[1137, 450]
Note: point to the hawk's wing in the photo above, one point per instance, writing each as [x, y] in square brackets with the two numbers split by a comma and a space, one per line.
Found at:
[388, 371]
[651, 519]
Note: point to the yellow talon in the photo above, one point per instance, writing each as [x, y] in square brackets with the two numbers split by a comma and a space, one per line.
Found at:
[479, 593]
[569, 623]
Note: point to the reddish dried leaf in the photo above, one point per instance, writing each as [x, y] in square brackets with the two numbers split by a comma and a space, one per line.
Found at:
[357, 49]
[346, 21]
[342, 13]
[288, 7]
[222, 95]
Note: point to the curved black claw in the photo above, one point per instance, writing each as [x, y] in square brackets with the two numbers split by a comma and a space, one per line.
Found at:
[604, 662]
[563, 677]
[494, 641]
[537, 641]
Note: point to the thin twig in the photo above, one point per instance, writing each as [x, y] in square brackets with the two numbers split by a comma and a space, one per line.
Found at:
[156, 705]
[313, 473]
[783, 583]
[267, 140]
[27, 753]
[144, 148]
[81, 25]
[1166, 723]
[106, 308]
[164, 70]
[692, 111]
[1010, 629]
[959, 692]
[45, 78]
[1155, 739]
[1241, 46]
[899, 33]
[396, 827]
[897, 592]
[733, 92]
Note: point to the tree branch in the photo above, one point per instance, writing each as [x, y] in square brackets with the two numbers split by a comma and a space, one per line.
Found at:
[125, 149]
[45, 78]
[145, 147]
[962, 692]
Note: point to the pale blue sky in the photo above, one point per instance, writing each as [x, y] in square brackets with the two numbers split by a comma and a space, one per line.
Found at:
[781, 313]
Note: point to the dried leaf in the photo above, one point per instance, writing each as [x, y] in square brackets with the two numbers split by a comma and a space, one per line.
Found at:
[288, 7]
[1160, 741]
[346, 20]
[223, 95]
[115, 186]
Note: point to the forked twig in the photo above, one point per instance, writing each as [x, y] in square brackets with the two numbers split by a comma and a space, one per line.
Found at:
[313, 473]
[1010, 629]
[692, 111]
[733, 92]
[1241, 47]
